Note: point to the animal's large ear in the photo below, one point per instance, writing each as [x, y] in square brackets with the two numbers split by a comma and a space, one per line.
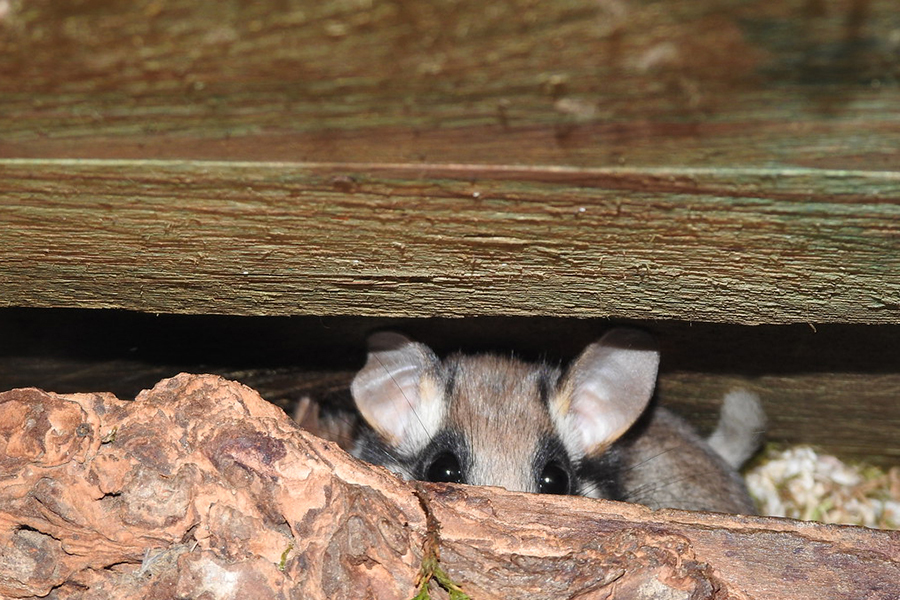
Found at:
[397, 391]
[605, 390]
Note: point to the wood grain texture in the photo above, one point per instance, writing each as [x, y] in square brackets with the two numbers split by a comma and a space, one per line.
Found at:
[851, 415]
[742, 246]
[719, 83]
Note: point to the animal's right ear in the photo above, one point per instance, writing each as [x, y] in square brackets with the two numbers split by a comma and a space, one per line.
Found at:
[605, 390]
[398, 391]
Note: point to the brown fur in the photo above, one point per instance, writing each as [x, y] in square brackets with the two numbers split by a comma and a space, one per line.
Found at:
[503, 422]
[667, 465]
[496, 402]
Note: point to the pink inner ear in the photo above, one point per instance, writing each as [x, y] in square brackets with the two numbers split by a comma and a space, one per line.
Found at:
[386, 392]
[389, 392]
[610, 385]
[595, 429]
[599, 417]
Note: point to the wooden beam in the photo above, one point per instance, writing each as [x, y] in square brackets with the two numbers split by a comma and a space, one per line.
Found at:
[718, 83]
[738, 246]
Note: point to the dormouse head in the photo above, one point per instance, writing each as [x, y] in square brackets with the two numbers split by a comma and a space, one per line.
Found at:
[495, 420]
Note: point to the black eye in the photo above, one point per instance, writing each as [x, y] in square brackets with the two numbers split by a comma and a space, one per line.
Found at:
[444, 469]
[553, 480]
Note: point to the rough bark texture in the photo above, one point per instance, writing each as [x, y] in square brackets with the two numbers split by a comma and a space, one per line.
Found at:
[197, 486]
[201, 487]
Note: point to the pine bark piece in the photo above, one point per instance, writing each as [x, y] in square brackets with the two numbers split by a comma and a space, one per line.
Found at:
[201, 487]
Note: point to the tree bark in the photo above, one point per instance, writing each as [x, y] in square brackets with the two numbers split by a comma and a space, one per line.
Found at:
[200, 486]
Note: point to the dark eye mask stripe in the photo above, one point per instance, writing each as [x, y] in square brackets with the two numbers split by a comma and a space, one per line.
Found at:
[446, 441]
[552, 452]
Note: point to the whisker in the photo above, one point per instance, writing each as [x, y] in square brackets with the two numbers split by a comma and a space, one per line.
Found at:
[649, 459]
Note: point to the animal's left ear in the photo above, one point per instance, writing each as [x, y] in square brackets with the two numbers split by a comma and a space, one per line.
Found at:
[605, 390]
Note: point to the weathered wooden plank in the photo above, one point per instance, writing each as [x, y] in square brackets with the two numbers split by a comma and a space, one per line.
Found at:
[738, 246]
[852, 415]
[719, 83]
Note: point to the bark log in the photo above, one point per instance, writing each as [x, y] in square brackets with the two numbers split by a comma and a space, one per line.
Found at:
[201, 487]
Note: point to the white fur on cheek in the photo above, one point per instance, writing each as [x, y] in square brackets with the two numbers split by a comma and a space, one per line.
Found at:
[398, 470]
